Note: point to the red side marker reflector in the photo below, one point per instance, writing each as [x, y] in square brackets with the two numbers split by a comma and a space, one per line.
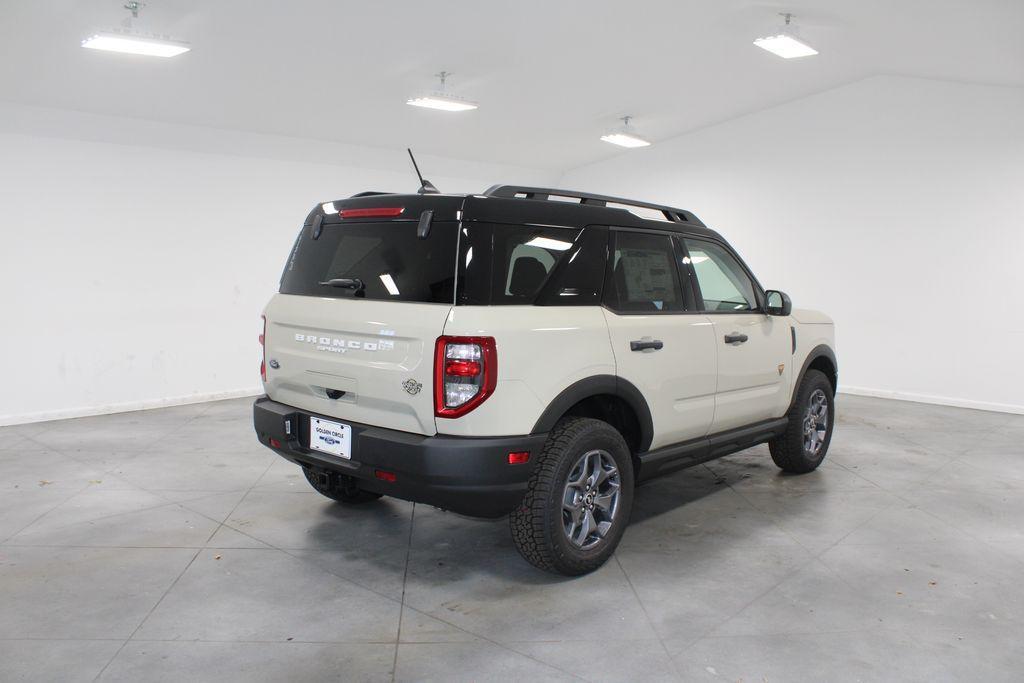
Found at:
[519, 458]
[275, 443]
[384, 475]
[378, 212]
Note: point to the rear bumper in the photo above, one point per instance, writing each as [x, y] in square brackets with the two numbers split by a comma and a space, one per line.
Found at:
[470, 476]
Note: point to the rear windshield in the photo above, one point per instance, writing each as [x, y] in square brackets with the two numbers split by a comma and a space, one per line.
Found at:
[378, 261]
[497, 264]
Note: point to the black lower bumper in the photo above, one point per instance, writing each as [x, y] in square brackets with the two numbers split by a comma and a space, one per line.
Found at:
[471, 476]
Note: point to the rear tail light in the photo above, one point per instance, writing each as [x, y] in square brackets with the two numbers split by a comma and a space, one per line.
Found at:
[465, 374]
[263, 348]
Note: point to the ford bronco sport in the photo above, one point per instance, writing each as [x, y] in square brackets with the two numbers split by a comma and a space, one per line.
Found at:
[531, 352]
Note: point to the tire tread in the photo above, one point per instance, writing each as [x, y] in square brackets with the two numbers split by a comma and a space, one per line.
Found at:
[787, 450]
[529, 521]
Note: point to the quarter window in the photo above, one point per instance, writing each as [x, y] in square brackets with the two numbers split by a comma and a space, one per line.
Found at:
[724, 285]
[643, 276]
[508, 264]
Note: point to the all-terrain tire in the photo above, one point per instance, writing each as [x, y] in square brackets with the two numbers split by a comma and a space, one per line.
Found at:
[537, 524]
[337, 487]
[791, 450]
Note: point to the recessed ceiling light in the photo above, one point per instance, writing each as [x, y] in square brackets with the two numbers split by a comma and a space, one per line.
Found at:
[785, 43]
[135, 44]
[624, 136]
[442, 99]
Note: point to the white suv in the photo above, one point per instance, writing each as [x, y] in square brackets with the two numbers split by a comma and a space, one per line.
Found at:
[531, 352]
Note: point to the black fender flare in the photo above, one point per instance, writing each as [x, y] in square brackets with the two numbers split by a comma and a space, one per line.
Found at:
[819, 351]
[594, 386]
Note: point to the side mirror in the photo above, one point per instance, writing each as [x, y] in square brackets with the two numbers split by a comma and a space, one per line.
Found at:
[777, 303]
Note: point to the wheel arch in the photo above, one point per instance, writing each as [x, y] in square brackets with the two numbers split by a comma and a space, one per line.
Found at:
[823, 359]
[606, 397]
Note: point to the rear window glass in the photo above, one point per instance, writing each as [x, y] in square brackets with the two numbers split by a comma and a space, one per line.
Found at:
[382, 261]
[508, 264]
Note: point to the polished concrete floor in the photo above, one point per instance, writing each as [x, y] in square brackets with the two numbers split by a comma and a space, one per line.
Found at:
[168, 545]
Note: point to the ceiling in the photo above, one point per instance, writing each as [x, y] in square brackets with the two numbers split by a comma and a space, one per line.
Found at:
[550, 76]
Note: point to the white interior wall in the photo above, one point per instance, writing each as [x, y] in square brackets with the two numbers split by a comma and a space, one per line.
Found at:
[894, 204]
[134, 265]
[136, 256]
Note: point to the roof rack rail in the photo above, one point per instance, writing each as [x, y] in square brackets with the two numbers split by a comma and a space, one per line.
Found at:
[543, 193]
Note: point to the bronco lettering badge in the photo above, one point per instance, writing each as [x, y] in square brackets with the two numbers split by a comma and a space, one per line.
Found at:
[412, 386]
[335, 345]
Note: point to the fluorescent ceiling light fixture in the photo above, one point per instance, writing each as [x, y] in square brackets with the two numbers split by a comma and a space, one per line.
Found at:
[624, 136]
[129, 43]
[442, 99]
[442, 102]
[625, 140]
[785, 43]
[785, 46]
[549, 243]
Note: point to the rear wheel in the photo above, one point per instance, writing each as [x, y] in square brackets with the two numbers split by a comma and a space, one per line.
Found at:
[338, 487]
[578, 500]
[802, 447]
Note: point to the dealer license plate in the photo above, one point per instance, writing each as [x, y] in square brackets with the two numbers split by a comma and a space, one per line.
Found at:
[330, 437]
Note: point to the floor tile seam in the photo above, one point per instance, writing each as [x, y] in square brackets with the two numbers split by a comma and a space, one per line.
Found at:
[405, 578]
[44, 514]
[403, 606]
[966, 532]
[76, 523]
[148, 614]
[647, 616]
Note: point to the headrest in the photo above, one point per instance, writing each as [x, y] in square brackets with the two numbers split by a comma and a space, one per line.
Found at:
[527, 276]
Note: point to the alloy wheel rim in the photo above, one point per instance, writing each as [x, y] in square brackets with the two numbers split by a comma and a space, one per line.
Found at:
[590, 500]
[815, 422]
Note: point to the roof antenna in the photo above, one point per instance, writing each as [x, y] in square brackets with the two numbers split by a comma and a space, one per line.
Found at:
[426, 187]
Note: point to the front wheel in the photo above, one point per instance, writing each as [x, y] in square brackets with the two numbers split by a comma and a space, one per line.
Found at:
[578, 499]
[802, 447]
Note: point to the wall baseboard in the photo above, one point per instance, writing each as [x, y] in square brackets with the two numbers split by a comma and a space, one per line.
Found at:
[128, 406]
[7, 420]
[934, 400]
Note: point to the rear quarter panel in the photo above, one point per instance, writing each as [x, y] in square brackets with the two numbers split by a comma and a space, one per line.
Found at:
[541, 351]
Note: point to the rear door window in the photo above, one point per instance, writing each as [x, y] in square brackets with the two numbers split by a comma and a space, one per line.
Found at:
[387, 259]
[643, 277]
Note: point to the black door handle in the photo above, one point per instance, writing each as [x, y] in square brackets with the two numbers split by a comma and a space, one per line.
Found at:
[642, 344]
[735, 338]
